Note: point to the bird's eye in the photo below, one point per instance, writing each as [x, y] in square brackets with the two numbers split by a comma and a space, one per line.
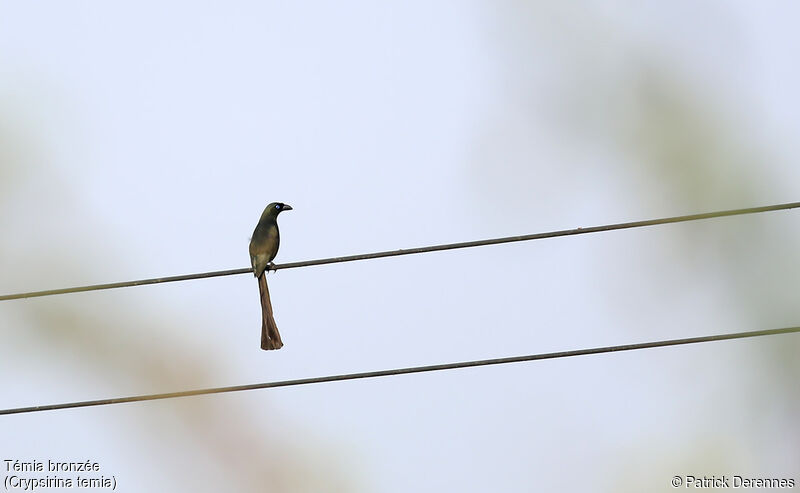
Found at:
[277, 206]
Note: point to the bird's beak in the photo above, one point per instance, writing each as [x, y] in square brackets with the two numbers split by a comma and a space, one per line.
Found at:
[287, 207]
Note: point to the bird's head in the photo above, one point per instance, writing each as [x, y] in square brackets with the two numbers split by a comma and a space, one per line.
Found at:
[276, 208]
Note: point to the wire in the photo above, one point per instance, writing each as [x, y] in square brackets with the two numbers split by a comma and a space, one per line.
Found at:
[410, 251]
[404, 371]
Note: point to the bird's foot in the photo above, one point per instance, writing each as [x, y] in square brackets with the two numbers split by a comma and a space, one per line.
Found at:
[271, 266]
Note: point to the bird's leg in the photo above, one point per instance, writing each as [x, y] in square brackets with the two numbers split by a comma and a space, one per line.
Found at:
[271, 266]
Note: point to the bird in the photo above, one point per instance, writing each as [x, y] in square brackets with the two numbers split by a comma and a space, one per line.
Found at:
[263, 248]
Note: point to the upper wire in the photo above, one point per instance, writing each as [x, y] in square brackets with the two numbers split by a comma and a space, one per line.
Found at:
[411, 251]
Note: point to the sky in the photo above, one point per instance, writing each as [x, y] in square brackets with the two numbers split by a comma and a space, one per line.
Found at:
[144, 140]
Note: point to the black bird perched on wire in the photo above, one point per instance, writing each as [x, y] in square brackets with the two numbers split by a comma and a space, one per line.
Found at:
[263, 248]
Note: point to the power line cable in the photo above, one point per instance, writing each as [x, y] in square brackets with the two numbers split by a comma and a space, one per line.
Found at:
[405, 371]
[410, 251]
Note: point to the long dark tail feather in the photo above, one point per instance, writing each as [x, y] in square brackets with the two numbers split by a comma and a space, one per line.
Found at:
[270, 337]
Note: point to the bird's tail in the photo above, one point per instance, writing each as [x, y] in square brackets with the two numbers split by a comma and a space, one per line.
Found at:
[270, 337]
